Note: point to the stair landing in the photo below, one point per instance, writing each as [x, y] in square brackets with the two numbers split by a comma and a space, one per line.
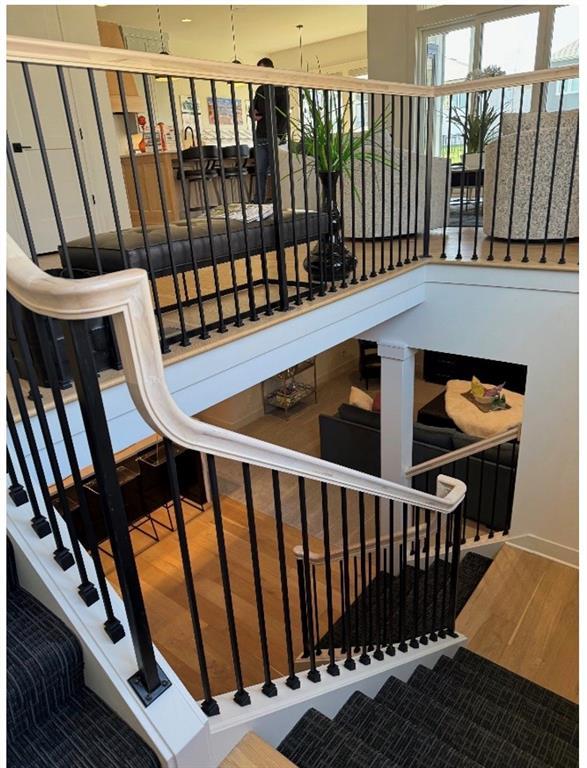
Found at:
[253, 752]
[524, 616]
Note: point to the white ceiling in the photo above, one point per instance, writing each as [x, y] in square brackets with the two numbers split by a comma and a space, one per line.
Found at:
[260, 29]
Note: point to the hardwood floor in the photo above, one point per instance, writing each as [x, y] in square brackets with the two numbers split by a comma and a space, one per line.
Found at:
[524, 616]
[253, 752]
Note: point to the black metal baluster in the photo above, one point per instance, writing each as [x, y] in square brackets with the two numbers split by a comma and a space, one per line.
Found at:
[416, 591]
[417, 183]
[149, 682]
[570, 197]
[384, 627]
[480, 496]
[343, 644]
[363, 194]
[482, 138]
[356, 611]
[437, 539]
[525, 258]
[209, 704]
[512, 485]
[39, 523]
[238, 321]
[463, 174]
[373, 272]
[315, 150]
[399, 262]
[332, 667]
[447, 186]
[349, 662]
[268, 688]
[141, 210]
[292, 193]
[390, 650]
[302, 100]
[211, 239]
[188, 214]
[391, 265]
[62, 555]
[407, 259]
[370, 634]
[497, 162]
[329, 199]
[382, 269]
[364, 658]
[514, 174]
[553, 170]
[454, 572]
[403, 646]
[378, 653]
[112, 625]
[353, 195]
[318, 645]
[425, 627]
[293, 680]
[466, 505]
[302, 592]
[241, 696]
[428, 177]
[313, 675]
[185, 341]
[494, 501]
[15, 490]
[340, 224]
[445, 577]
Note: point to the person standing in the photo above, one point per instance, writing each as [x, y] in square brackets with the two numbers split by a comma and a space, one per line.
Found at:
[260, 116]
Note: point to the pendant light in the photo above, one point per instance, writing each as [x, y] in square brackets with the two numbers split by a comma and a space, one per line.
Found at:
[300, 28]
[163, 51]
[235, 59]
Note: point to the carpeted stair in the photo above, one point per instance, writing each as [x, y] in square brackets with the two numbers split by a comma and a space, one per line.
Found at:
[472, 568]
[448, 717]
[53, 720]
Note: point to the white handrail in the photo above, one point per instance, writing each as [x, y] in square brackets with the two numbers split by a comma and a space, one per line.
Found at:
[125, 296]
[467, 450]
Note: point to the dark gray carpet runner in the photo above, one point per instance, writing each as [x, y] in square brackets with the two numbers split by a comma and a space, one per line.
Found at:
[53, 720]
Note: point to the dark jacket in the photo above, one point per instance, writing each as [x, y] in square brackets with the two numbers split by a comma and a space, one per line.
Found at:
[281, 111]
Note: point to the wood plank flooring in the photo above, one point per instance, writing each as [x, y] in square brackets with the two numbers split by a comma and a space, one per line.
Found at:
[253, 752]
[524, 616]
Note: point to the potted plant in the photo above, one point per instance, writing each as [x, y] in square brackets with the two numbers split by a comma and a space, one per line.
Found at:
[330, 153]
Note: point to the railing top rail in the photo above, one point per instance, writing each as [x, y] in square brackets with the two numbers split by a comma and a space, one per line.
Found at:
[52, 52]
[126, 297]
[34, 51]
[462, 453]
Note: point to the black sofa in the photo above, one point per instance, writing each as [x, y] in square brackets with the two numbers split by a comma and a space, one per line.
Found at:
[351, 438]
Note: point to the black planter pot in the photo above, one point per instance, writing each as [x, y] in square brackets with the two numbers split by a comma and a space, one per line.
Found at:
[330, 260]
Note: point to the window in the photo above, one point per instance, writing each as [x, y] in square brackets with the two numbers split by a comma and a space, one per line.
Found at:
[564, 51]
[358, 100]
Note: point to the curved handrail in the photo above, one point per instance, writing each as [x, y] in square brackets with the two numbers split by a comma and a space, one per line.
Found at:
[125, 296]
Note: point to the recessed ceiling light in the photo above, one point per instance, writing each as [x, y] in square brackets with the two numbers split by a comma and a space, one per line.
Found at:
[185, 21]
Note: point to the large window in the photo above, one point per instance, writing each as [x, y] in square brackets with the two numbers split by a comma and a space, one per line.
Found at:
[564, 51]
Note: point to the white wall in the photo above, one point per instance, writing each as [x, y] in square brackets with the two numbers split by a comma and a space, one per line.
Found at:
[338, 54]
[517, 316]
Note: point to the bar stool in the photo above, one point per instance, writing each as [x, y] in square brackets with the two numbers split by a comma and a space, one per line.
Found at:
[199, 171]
[235, 160]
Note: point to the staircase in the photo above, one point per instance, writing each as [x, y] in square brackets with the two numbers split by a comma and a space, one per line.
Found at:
[466, 712]
[53, 719]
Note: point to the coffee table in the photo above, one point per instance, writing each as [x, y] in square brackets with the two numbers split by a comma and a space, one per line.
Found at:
[472, 421]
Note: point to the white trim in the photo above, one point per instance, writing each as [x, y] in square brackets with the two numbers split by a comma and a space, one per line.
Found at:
[551, 550]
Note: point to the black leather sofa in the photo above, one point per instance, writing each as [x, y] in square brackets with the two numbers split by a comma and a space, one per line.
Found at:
[352, 438]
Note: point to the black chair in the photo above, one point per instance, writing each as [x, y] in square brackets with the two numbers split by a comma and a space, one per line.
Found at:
[199, 171]
[369, 361]
[235, 160]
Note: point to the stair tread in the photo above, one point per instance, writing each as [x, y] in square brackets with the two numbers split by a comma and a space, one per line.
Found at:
[82, 732]
[504, 723]
[485, 686]
[485, 668]
[318, 742]
[458, 730]
[44, 662]
[397, 737]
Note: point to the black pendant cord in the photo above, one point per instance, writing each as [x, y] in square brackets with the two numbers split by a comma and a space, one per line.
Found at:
[332, 667]
[313, 674]
[269, 688]
[209, 704]
[234, 283]
[241, 696]
[188, 214]
[141, 211]
[293, 680]
[447, 187]
[349, 662]
[514, 176]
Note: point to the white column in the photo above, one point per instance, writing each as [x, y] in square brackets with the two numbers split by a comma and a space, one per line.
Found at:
[397, 407]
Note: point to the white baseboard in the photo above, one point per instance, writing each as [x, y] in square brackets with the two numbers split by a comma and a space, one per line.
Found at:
[546, 548]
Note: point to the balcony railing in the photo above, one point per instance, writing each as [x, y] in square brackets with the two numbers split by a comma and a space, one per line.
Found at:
[352, 187]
